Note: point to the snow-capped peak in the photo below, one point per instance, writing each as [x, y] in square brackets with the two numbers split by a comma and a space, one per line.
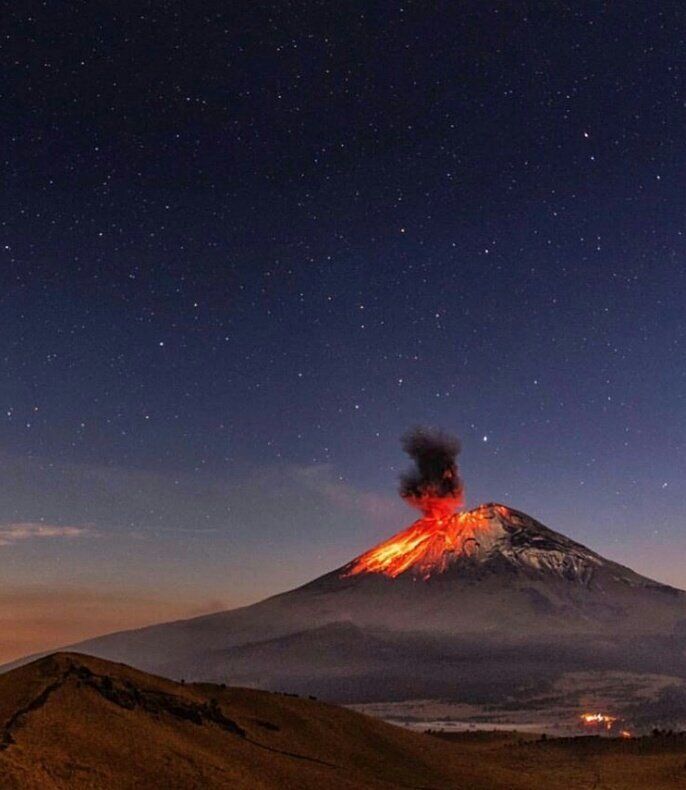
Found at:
[490, 533]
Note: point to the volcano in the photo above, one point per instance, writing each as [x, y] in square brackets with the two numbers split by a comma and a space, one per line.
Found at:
[469, 605]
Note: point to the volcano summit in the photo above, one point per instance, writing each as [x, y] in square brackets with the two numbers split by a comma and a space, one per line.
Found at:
[480, 537]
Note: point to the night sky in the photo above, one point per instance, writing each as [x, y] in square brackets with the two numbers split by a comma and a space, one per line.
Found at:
[246, 246]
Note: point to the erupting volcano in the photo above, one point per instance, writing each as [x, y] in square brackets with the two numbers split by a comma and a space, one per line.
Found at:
[443, 538]
[435, 488]
[459, 603]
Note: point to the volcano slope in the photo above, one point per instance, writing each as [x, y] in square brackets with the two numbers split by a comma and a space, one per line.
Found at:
[69, 722]
[472, 607]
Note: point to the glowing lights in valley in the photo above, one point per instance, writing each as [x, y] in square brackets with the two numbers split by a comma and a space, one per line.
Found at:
[598, 720]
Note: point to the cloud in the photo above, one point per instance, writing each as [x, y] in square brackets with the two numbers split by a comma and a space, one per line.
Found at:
[321, 479]
[10, 534]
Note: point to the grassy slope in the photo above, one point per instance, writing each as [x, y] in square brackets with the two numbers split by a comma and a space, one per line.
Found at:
[74, 722]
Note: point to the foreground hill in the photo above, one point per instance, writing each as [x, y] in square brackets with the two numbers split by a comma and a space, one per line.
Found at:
[72, 721]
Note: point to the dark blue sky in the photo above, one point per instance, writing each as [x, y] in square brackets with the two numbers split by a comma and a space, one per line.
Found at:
[245, 247]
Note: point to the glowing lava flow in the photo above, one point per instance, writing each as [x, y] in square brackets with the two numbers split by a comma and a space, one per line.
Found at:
[426, 547]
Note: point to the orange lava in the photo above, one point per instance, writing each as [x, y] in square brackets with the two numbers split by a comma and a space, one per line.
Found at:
[428, 545]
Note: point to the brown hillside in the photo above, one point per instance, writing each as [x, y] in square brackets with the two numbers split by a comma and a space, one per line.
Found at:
[72, 721]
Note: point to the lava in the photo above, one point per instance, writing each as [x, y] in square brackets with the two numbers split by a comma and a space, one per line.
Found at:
[428, 545]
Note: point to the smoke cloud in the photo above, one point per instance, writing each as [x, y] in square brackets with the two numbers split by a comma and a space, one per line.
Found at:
[434, 483]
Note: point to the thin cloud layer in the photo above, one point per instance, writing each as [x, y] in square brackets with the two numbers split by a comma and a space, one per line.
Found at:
[10, 534]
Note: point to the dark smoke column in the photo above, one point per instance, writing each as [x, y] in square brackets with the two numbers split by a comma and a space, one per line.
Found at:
[433, 485]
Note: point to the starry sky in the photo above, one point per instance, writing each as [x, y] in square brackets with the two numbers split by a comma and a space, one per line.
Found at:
[245, 246]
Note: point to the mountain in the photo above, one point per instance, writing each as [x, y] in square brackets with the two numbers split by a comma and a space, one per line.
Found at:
[469, 606]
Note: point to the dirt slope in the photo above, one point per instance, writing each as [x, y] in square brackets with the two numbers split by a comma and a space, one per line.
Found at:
[73, 721]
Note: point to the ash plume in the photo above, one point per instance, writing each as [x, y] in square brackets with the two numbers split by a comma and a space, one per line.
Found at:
[435, 474]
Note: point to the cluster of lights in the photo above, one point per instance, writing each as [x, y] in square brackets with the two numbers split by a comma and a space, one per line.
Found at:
[603, 720]
[598, 719]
